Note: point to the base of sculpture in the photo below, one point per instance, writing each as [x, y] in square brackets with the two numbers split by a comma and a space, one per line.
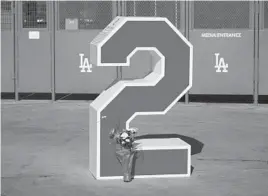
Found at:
[159, 158]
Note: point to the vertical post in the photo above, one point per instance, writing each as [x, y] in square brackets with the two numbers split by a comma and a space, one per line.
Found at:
[117, 11]
[176, 14]
[187, 33]
[53, 29]
[155, 8]
[15, 47]
[122, 12]
[256, 50]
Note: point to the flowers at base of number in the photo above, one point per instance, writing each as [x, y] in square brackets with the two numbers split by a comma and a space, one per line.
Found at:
[125, 137]
[126, 151]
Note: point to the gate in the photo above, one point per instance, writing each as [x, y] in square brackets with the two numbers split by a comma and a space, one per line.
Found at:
[222, 34]
[34, 47]
[263, 82]
[77, 23]
[7, 52]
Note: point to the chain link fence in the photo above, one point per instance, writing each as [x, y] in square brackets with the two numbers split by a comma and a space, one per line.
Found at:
[34, 14]
[130, 8]
[6, 15]
[145, 8]
[74, 15]
[168, 9]
[221, 15]
[266, 14]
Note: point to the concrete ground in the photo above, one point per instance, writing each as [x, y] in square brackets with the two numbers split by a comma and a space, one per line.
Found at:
[45, 151]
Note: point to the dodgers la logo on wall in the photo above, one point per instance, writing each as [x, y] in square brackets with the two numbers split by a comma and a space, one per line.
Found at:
[170, 79]
[220, 66]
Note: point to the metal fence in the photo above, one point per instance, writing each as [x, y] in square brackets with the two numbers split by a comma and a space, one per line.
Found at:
[266, 14]
[221, 15]
[74, 15]
[6, 15]
[168, 9]
[145, 8]
[130, 8]
[37, 56]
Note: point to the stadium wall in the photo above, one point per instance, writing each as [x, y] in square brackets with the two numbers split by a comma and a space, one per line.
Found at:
[45, 43]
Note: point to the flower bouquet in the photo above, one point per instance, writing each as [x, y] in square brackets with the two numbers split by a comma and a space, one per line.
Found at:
[125, 150]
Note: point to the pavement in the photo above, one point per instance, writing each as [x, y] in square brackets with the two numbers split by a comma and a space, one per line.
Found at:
[45, 150]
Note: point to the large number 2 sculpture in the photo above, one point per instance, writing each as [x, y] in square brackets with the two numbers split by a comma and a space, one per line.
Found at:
[170, 79]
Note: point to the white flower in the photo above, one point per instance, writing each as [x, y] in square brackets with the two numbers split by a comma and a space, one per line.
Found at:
[127, 140]
[133, 129]
[124, 135]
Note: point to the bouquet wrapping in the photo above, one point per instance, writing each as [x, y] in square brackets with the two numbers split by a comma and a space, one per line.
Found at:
[125, 150]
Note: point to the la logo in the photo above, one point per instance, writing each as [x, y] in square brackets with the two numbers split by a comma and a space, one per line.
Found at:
[84, 64]
[220, 64]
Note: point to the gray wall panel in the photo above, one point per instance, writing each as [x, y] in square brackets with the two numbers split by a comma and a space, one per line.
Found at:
[7, 61]
[237, 53]
[263, 84]
[140, 66]
[34, 62]
[68, 77]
